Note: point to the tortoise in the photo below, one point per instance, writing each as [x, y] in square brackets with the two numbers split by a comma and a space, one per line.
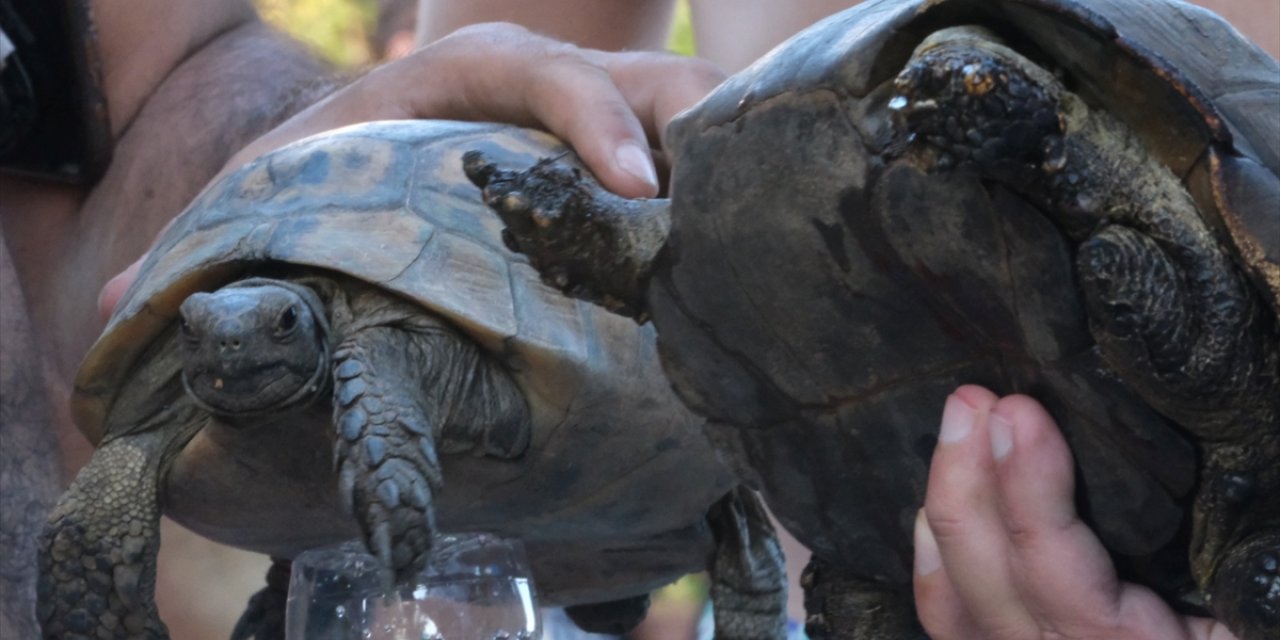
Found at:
[1078, 202]
[332, 343]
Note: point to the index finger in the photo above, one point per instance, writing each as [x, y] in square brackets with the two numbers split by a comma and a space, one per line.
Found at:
[505, 73]
[658, 86]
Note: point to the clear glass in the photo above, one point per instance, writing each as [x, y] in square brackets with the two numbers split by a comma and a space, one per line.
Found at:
[475, 587]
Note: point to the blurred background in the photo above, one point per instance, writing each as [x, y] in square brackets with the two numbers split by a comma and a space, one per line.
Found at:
[203, 586]
[351, 33]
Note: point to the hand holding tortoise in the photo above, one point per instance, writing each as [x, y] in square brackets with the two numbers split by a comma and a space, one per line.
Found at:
[610, 107]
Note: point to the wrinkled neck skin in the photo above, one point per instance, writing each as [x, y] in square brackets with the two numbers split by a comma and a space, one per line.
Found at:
[188, 83]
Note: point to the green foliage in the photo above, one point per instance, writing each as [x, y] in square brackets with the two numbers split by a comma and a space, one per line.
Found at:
[340, 30]
[681, 39]
[337, 30]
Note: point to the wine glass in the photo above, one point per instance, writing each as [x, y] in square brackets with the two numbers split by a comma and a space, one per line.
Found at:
[476, 586]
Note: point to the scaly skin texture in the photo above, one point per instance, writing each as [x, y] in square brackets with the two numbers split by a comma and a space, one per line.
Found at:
[841, 607]
[748, 573]
[583, 240]
[405, 389]
[386, 451]
[98, 552]
[1172, 313]
[403, 394]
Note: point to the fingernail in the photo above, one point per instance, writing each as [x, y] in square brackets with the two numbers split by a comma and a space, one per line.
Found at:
[928, 559]
[1001, 430]
[635, 161]
[957, 420]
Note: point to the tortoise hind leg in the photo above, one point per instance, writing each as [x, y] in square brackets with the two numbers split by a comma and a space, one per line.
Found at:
[614, 618]
[263, 618]
[584, 240]
[748, 573]
[1204, 352]
[98, 550]
[841, 606]
[402, 394]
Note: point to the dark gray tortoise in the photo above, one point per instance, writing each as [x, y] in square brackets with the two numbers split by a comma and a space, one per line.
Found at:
[347, 302]
[1079, 202]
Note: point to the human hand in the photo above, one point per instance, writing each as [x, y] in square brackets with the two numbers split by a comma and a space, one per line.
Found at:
[610, 107]
[1000, 551]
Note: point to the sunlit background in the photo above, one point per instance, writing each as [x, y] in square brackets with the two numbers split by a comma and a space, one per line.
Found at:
[346, 32]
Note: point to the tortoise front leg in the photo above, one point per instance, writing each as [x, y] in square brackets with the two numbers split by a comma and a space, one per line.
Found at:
[98, 551]
[402, 394]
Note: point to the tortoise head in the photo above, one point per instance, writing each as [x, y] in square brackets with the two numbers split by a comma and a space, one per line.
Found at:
[254, 346]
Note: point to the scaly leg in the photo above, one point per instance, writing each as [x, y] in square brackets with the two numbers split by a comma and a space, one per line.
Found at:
[748, 574]
[98, 551]
[585, 241]
[402, 395]
[842, 607]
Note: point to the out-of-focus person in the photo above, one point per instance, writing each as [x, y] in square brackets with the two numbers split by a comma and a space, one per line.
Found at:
[394, 33]
[729, 33]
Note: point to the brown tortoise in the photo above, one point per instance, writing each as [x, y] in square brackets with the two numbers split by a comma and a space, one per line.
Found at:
[1074, 200]
[348, 299]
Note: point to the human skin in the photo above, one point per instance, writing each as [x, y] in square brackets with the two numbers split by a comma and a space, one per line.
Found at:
[1001, 553]
[730, 33]
[610, 25]
[29, 466]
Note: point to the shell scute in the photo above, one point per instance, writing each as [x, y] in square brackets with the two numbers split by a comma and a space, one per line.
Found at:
[475, 289]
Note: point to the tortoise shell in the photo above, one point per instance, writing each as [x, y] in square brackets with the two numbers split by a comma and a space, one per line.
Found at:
[387, 204]
[810, 322]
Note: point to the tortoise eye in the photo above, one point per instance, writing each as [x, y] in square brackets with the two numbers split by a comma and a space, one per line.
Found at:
[288, 320]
